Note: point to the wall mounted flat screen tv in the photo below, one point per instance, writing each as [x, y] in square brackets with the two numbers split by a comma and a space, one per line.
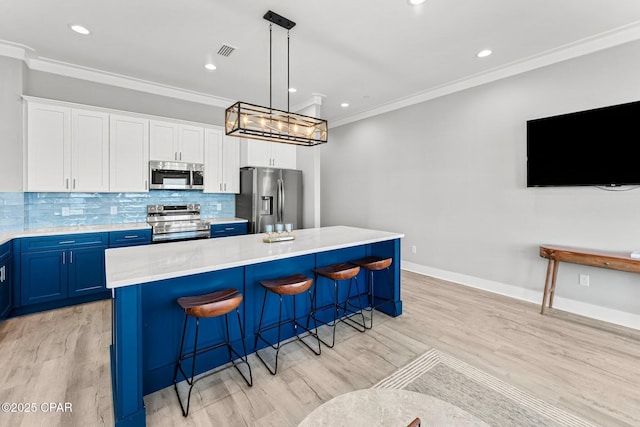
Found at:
[599, 147]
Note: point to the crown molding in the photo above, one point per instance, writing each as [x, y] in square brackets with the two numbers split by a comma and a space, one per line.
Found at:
[48, 65]
[582, 47]
[15, 50]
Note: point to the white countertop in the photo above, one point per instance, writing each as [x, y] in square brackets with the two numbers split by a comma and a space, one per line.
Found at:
[53, 231]
[100, 228]
[149, 263]
[215, 221]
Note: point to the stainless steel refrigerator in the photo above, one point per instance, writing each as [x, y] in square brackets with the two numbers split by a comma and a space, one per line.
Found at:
[269, 196]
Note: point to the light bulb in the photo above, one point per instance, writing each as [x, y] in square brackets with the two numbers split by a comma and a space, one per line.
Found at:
[80, 29]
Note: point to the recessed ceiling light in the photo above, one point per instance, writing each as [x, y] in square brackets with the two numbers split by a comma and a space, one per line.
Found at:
[293, 90]
[80, 29]
[484, 53]
[344, 104]
[416, 2]
[210, 67]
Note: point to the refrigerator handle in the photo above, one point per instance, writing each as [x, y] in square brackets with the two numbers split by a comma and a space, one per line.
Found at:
[280, 201]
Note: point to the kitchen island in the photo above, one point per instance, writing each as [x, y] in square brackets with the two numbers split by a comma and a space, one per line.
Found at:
[146, 282]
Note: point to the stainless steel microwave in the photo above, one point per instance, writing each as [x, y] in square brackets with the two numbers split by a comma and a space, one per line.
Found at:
[176, 176]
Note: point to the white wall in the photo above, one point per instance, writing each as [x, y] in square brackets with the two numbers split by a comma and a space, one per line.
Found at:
[11, 85]
[451, 174]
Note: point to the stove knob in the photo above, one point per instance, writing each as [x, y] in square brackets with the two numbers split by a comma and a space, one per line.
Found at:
[160, 208]
[196, 206]
[190, 206]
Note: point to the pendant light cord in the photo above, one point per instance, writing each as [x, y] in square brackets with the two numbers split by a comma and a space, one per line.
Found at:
[288, 85]
[270, 67]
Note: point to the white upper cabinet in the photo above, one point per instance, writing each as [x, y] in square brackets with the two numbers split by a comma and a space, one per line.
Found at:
[67, 149]
[48, 166]
[222, 162]
[176, 142]
[191, 144]
[129, 154]
[267, 154]
[231, 164]
[89, 151]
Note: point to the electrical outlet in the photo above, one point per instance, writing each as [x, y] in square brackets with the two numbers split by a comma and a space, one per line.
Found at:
[583, 279]
[219, 207]
[414, 249]
[65, 211]
[114, 210]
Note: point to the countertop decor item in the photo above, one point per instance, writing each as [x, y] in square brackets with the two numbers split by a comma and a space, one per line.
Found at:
[277, 237]
[269, 124]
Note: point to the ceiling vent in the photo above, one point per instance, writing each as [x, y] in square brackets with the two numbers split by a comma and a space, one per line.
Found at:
[226, 50]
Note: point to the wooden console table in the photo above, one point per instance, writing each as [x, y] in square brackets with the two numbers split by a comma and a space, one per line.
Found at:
[555, 254]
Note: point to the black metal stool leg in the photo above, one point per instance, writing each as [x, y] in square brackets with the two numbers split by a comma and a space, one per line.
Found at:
[348, 314]
[232, 352]
[336, 316]
[185, 411]
[372, 299]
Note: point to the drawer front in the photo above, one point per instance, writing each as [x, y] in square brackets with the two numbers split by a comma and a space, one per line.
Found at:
[224, 230]
[129, 238]
[33, 244]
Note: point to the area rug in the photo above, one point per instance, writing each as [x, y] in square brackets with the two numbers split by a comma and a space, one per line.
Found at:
[485, 397]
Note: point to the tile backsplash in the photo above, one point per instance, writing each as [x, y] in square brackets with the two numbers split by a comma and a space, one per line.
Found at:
[34, 210]
[11, 211]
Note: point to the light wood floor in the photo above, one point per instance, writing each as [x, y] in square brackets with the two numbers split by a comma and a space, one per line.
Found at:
[587, 367]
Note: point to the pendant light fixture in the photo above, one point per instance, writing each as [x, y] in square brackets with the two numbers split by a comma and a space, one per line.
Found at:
[266, 123]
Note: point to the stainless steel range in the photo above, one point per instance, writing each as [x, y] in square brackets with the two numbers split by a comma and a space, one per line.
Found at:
[170, 223]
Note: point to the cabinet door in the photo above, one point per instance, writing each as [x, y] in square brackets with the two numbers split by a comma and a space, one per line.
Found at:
[44, 277]
[48, 147]
[256, 153]
[86, 271]
[213, 161]
[163, 141]
[283, 155]
[89, 151]
[129, 154]
[191, 144]
[5, 286]
[230, 165]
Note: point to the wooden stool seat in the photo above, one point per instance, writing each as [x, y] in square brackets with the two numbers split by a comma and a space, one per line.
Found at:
[211, 305]
[341, 311]
[214, 304]
[373, 263]
[341, 271]
[291, 285]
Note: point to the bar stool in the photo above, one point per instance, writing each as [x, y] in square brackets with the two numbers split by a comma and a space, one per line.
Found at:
[336, 273]
[373, 264]
[291, 285]
[202, 306]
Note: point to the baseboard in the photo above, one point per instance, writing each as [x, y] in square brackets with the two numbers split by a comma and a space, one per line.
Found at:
[592, 311]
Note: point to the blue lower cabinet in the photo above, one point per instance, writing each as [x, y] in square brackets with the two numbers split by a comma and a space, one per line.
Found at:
[226, 230]
[44, 277]
[118, 239]
[6, 280]
[86, 271]
[57, 271]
